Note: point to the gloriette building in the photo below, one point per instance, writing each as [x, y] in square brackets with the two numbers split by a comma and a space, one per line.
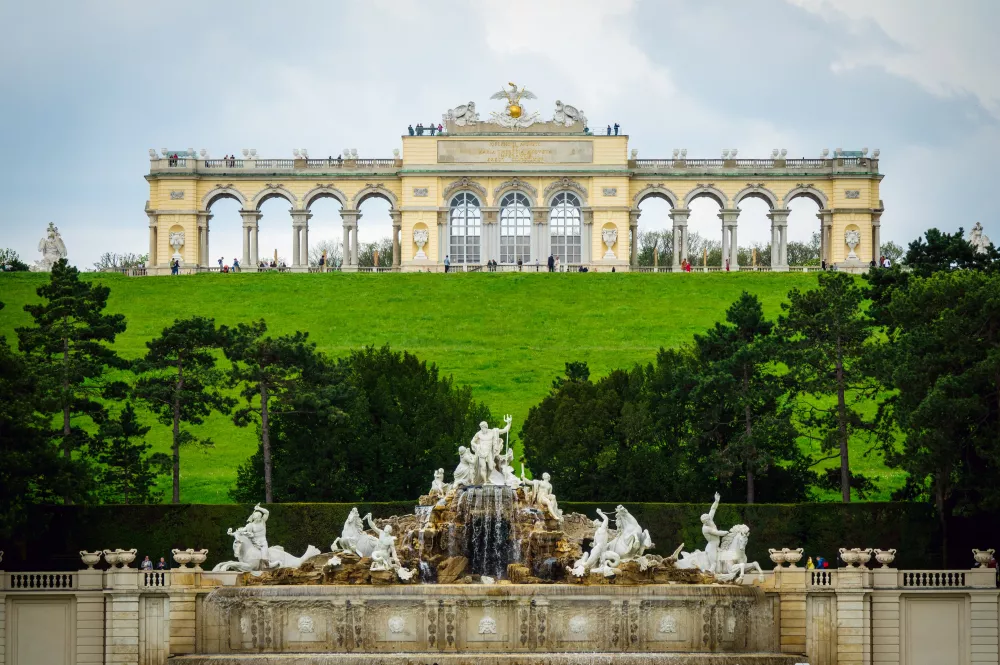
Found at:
[512, 188]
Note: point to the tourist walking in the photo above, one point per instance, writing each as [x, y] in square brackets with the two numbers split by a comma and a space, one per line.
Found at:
[220, 262]
[447, 262]
[236, 265]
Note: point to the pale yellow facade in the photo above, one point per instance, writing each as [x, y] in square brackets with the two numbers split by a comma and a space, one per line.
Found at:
[605, 186]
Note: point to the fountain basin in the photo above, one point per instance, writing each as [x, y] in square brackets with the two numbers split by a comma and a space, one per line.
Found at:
[487, 624]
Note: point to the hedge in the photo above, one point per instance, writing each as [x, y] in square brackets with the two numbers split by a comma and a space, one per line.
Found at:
[55, 534]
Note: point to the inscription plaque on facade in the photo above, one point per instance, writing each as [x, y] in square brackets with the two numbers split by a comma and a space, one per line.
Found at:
[515, 152]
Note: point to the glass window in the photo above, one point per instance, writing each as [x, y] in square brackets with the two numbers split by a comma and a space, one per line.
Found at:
[566, 228]
[515, 228]
[466, 226]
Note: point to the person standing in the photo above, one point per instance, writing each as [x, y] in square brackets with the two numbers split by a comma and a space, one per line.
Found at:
[146, 564]
[161, 564]
[609, 130]
[558, 265]
[410, 129]
[447, 263]
[552, 263]
[616, 129]
[236, 265]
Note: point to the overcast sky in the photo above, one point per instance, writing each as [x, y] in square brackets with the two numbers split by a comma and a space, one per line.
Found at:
[86, 88]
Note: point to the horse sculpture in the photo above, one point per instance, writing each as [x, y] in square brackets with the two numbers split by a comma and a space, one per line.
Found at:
[629, 543]
[248, 556]
[353, 537]
[733, 556]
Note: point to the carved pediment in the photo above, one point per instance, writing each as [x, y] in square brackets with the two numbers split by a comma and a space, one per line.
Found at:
[564, 184]
[466, 184]
[515, 183]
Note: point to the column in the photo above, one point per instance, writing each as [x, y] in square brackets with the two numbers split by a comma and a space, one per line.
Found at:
[295, 246]
[442, 243]
[300, 239]
[853, 631]
[983, 633]
[825, 239]
[250, 220]
[730, 246]
[397, 231]
[151, 261]
[305, 246]
[876, 236]
[350, 221]
[633, 235]
[121, 630]
[345, 245]
[540, 217]
[203, 218]
[489, 238]
[679, 217]
[354, 245]
[784, 244]
[587, 241]
[885, 623]
[779, 225]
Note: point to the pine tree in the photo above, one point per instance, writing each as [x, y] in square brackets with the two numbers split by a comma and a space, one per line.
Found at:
[180, 383]
[129, 474]
[69, 350]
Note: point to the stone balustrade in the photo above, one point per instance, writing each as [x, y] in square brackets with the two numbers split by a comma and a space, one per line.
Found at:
[262, 166]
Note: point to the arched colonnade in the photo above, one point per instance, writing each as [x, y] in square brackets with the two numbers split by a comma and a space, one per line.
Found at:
[729, 212]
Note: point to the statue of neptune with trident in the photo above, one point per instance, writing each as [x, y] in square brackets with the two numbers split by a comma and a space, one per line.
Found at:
[487, 445]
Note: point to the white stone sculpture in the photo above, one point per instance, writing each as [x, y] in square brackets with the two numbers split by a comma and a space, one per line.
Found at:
[705, 561]
[509, 118]
[777, 557]
[610, 237]
[979, 242]
[885, 557]
[438, 487]
[306, 624]
[540, 494]
[487, 626]
[198, 557]
[252, 551]
[385, 557]
[487, 445]
[578, 624]
[567, 115]
[396, 624]
[462, 115]
[668, 624]
[591, 559]
[732, 563]
[177, 241]
[125, 557]
[52, 249]
[353, 537]
[465, 470]
[853, 238]
[420, 238]
[983, 557]
[90, 558]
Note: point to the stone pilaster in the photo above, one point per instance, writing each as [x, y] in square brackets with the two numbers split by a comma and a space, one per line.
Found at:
[350, 220]
[121, 631]
[300, 239]
[825, 235]
[852, 618]
[984, 627]
[587, 241]
[679, 217]
[541, 247]
[397, 231]
[203, 255]
[633, 237]
[153, 230]
[730, 245]
[251, 218]
[876, 236]
[443, 235]
[183, 623]
[779, 248]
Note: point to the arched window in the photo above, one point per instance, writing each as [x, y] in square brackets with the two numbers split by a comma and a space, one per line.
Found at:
[515, 228]
[466, 224]
[566, 228]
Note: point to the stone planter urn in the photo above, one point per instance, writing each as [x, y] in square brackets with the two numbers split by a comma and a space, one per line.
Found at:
[850, 557]
[182, 557]
[792, 556]
[610, 237]
[777, 556]
[885, 557]
[420, 238]
[852, 238]
[198, 557]
[864, 556]
[125, 557]
[90, 558]
[177, 241]
[111, 556]
[983, 557]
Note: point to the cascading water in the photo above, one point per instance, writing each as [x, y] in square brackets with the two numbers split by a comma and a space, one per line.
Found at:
[487, 514]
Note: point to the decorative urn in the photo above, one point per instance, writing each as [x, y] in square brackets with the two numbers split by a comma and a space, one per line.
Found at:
[125, 557]
[182, 557]
[610, 237]
[983, 557]
[885, 557]
[864, 556]
[777, 556]
[90, 558]
[850, 557]
[198, 557]
[111, 556]
[420, 238]
[792, 556]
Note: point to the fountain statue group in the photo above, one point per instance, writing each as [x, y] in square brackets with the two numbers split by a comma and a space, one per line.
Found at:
[487, 463]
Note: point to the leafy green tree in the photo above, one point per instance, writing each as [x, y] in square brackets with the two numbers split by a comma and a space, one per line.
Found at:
[180, 383]
[33, 471]
[10, 261]
[265, 369]
[892, 251]
[940, 251]
[373, 426]
[740, 402]
[826, 345]
[69, 349]
[129, 472]
[943, 362]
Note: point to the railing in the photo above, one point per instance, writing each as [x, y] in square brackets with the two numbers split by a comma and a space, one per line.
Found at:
[767, 163]
[318, 269]
[822, 578]
[155, 579]
[376, 269]
[40, 581]
[173, 163]
[931, 579]
[273, 163]
[224, 163]
[291, 165]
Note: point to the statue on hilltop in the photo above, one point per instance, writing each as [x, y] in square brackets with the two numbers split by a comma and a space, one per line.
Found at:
[52, 248]
[979, 242]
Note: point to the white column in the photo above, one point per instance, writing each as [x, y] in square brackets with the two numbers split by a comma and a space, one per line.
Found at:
[300, 239]
[397, 230]
[250, 223]
[729, 217]
[679, 218]
[779, 226]
[876, 236]
[254, 256]
[587, 241]
[350, 221]
[825, 236]
[725, 244]
[345, 245]
[151, 261]
[305, 246]
[354, 244]
[784, 245]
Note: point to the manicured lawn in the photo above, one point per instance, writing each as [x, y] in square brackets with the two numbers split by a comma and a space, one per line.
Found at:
[505, 335]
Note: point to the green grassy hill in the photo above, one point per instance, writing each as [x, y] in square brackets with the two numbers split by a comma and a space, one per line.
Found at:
[505, 335]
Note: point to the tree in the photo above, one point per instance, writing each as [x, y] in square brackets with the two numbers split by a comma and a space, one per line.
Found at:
[180, 383]
[826, 340]
[265, 368]
[804, 253]
[69, 349]
[334, 252]
[113, 261]
[948, 251]
[372, 426]
[740, 402]
[891, 251]
[942, 359]
[10, 261]
[660, 241]
[366, 253]
[129, 474]
[33, 471]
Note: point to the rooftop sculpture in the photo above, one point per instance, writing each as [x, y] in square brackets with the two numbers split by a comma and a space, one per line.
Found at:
[52, 248]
